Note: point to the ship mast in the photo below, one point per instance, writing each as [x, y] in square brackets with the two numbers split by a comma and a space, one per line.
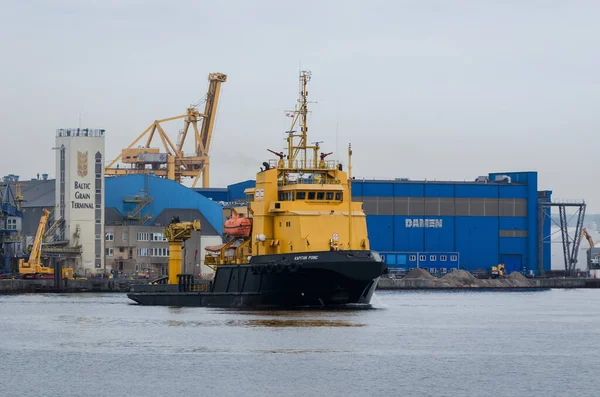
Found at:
[301, 117]
[349, 196]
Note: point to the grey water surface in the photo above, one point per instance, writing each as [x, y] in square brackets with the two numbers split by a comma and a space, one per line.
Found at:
[537, 343]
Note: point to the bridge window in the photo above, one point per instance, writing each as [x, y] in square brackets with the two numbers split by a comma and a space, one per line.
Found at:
[311, 195]
[300, 195]
[320, 195]
[286, 196]
[250, 197]
[338, 196]
[329, 196]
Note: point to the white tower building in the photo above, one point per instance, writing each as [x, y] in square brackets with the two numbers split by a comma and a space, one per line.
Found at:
[80, 193]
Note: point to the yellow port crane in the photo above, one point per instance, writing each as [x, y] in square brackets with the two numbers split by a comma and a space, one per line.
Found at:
[176, 233]
[172, 163]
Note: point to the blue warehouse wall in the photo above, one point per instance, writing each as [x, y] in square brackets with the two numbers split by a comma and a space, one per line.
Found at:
[482, 223]
[236, 191]
[165, 194]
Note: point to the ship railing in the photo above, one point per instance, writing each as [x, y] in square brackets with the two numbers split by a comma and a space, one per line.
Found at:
[302, 165]
[308, 181]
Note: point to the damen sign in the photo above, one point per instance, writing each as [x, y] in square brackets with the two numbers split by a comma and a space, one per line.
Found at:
[420, 222]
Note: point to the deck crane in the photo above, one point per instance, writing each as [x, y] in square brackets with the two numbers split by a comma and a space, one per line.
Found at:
[172, 163]
[177, 233]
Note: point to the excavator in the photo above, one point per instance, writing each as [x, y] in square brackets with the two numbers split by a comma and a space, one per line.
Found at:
[33, 267]
[586, 234]
[498, 271]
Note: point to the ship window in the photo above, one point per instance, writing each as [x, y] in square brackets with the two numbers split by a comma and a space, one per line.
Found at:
[338, 196]
[432, 258]
[329, 196]
[412, 258]
[311, 195]
[320, 195]
[443, 258]
[250, 197]
[453, 258]
[279, 224]
[422, 257]
[300, 195]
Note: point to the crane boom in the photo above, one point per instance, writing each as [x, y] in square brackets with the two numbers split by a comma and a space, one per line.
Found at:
[585, 233]
[36, 250]
[212, 99]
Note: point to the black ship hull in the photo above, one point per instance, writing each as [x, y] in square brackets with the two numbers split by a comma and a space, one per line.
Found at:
[315, 279]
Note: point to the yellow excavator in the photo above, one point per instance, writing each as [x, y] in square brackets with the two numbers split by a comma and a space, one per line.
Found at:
[498, 271]
[586, 234]
[33, 267]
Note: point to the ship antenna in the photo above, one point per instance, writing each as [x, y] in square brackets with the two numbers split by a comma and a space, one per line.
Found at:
[349, 196]
[300, 116]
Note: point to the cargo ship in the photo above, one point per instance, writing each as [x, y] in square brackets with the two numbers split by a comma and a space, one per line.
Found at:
[302, 243]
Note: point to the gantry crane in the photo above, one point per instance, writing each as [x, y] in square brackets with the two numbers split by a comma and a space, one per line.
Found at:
[172, 163]
[176, 233]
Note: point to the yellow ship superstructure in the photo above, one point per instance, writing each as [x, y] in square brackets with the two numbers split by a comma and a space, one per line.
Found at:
[298, 208]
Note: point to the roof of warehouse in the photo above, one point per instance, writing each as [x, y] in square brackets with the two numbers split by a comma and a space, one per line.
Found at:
[164, 194]
[355, 180]
[36, 193]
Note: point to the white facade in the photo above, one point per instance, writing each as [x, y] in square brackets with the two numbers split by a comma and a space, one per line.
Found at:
[80, 193]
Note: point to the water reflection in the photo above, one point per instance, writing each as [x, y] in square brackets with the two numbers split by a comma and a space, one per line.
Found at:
[271, 322]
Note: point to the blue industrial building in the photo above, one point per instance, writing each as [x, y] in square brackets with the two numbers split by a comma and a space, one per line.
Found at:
[229, 194]
[148, 198]
[454, 225]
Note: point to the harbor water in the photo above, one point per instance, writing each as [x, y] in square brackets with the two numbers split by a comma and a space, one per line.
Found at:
[412, 343]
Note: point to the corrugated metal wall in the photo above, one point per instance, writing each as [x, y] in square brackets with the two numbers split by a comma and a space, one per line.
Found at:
[482, 224]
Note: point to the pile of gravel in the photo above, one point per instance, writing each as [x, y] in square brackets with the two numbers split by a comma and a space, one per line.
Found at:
[419, 274]
[460, 278]
[517, 276]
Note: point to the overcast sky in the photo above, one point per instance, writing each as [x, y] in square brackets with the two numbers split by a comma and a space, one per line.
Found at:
[444, 90]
